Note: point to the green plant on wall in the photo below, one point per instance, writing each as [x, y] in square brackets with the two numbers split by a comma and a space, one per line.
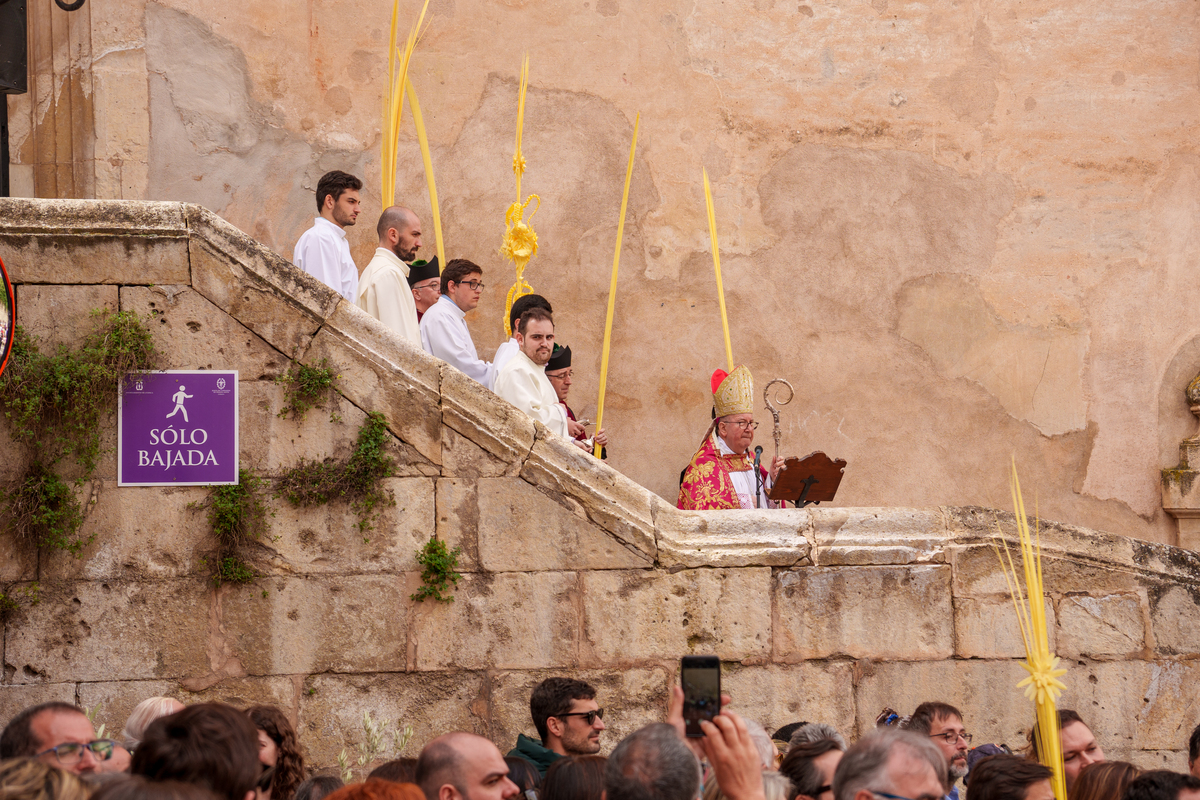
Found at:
[438, 571]
[233, 569]
[14, 597]
[42, 508]
[358, 479]
[54, 404]
[237, 515]
[306, 387]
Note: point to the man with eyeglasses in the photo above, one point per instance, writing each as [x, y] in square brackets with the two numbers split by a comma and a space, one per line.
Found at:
[943, 724]
[722, 473]
[444, 331]
[890, 764]
[425, 281]
[60, 735]
[383, 290]
[568, 720]
[561, 375]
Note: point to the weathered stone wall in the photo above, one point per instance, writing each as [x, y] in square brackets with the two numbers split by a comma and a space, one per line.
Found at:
[569, 567]
[962, 230]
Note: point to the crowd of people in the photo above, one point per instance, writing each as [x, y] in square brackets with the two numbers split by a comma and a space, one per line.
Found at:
[427, 304]
[213, 751]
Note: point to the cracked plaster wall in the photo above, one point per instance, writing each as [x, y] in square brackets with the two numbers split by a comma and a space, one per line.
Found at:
[963, 231]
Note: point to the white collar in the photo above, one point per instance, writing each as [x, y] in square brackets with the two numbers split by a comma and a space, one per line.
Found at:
[393, 258]
[453, 306]
[725, 449]
[340, 230]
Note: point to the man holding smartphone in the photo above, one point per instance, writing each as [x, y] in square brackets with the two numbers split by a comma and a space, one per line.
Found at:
[569, 722]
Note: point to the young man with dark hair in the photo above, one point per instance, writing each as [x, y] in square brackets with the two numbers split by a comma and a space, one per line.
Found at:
[568, 721]
[943, 723]
[1158, 784]
[58, 734]
[511, 347]
[1079, 745]
[209, 744]
[523, 380]
[322, 250]
[443, 327]
[1008, 777]
[810, 766]
[383, 290]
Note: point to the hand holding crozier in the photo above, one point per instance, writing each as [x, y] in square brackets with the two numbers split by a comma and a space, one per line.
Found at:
[776, 465]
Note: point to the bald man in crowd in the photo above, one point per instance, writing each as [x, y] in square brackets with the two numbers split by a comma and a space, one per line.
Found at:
[383, 289]
[463, 766]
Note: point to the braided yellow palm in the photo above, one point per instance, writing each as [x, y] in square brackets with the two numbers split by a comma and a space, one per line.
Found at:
[520, 243]
[1042, 686]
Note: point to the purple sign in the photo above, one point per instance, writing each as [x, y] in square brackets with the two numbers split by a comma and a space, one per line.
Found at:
[178, 428]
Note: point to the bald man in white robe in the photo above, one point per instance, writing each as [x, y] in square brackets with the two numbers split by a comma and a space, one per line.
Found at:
[383, 290]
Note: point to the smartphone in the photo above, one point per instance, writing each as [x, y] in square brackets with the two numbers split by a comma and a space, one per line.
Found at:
[701, 680]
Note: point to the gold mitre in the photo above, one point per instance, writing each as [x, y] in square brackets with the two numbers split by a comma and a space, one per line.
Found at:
[733, 392]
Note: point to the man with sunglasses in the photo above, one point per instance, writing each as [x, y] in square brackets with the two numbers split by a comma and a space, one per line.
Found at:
[943, 724]
[443, 327]
[60, 735]
[568, 719]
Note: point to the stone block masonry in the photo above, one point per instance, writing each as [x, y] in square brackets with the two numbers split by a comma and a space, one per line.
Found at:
[568, 566]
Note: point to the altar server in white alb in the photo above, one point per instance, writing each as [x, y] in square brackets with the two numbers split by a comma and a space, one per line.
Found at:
[322, 250]
[443, 328]
[510, 348]
[523, 380]
[383, 290]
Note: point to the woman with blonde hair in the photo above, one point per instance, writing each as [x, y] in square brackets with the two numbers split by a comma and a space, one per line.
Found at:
[27, 779]
[143, 714]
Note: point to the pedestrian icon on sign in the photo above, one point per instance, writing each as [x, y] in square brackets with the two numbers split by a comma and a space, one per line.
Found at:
[179, 397]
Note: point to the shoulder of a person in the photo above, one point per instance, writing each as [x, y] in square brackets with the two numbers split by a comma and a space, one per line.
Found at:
[511, 366]
[308, 235]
